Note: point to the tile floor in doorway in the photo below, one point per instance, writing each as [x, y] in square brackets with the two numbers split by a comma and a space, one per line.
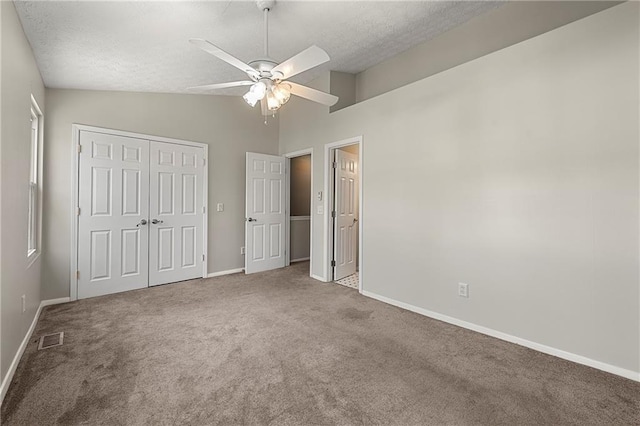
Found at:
[350, 281]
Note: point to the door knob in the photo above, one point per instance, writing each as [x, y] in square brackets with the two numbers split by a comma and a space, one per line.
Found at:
[252, 220]
[156, 221]
[142, 222]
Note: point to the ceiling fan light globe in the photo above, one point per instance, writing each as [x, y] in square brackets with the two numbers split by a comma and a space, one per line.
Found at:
[281, 93]
[259, 90]
[250, 98]
[272, 102]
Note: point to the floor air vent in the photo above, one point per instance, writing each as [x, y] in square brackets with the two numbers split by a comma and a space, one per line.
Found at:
[50, 340]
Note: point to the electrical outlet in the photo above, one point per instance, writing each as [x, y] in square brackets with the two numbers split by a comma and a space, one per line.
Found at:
[463, 290]
[24, 303]
[241, 250]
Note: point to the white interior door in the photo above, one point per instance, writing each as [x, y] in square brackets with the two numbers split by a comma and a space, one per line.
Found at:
[113, 201]
[346, 219]
[176, 212]
[265, 213]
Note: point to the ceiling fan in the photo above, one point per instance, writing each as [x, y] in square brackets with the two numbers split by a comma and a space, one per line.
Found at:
[268, 79]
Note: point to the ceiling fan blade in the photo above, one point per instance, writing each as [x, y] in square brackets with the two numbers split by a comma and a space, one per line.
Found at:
[221, 54]
[222, 85]
[313, 94]
[307, 59]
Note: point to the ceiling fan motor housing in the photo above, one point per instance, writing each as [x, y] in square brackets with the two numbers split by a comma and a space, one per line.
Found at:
[264, 67]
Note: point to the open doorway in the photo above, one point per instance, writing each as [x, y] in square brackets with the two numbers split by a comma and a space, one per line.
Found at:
[299, 235]
[344, 202]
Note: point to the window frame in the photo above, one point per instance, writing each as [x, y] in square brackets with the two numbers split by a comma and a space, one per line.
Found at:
[34, 212]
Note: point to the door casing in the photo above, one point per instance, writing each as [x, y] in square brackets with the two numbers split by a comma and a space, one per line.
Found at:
[328, 206]
[75, 187]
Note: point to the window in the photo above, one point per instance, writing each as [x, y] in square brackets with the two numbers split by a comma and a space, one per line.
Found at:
[34, 213]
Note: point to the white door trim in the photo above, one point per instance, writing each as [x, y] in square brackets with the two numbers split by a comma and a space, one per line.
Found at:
[328, 205]
[289, 156]
[76, 129]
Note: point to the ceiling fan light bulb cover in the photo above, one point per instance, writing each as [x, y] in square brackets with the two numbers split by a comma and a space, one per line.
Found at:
[250, 99]
[259, 90]
[272, 102]
[281, 93]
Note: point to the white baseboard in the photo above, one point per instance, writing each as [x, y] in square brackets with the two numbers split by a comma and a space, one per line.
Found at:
[629, 374]
[50, 302]
[227, 272]
[319, 278]
[302, 259]
[16, 359]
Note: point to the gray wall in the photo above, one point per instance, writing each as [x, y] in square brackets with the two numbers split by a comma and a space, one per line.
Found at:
[2, 374]
[511, 23]
[516, 173]
[300, 185]
[343, 85]
[19, 79]
[226, 124]
[299, 239]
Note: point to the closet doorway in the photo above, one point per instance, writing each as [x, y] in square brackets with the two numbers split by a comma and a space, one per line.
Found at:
[140, 211]
[299, 199]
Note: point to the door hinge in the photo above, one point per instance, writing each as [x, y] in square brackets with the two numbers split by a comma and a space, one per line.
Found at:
[204, 161]
[77, 275]
[78, 211]
[333, 213]
[79, 148]
[203, 257]
[335, 165]
[333, 263]
[204, 209]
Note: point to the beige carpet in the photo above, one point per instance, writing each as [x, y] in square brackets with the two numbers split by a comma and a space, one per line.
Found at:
[281, 348]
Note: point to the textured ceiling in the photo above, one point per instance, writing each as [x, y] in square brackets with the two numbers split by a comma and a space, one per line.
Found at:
[143, 46]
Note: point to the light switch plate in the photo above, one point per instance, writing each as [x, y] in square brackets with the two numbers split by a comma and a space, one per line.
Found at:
[220, 207]
[320, 210]
[463, 290]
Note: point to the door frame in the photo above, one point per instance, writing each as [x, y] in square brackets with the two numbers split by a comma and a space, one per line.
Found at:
[328, 206]
[75, 191]
[289, 156]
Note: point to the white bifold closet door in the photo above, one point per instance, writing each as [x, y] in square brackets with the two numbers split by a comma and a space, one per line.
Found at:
[140, 213]
[176, 208]
[113, 242]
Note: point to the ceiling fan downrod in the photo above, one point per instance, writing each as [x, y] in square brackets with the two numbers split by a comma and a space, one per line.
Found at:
[265, 6]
